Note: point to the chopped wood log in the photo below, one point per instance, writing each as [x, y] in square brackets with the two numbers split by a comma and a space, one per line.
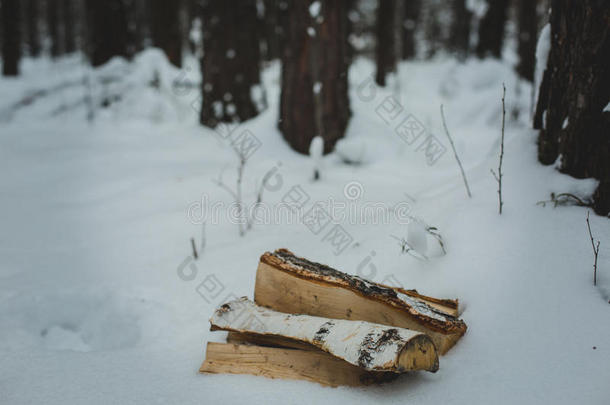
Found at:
[268, 341]
[370, 346]
[273, 362]
[287, 283]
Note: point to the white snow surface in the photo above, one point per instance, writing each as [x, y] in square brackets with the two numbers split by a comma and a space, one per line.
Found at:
[100, 301]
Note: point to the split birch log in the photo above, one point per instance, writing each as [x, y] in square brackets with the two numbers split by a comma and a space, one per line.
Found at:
[287, 283]
[272, 362]
[372, 347]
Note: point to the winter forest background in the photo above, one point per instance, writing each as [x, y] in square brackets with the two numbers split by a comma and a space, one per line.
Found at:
[152, 150]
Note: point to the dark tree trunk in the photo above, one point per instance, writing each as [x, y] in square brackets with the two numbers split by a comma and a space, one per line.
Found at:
[491, 29]
[385, 49]
[33, 27]
[459, 41]
[165, 24]
[11, 37]
[231, 62]
[411, 17]
[141, 31]
[314, 99]
[109, 33]
[528, 26]
[69, 41]
[53, 27]
[273, 27]
[574, 92]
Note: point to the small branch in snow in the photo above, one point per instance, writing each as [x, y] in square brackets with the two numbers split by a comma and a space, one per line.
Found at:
[499, 175]
[595, 250]
[455, 153]
[565, 199]
[194, 249]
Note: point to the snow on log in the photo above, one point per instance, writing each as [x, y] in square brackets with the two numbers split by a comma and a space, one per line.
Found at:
[287, 283]
[370, 346]
[274, 362]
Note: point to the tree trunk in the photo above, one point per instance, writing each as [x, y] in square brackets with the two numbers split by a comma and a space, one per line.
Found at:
[53, 27]
[411, 17]
[459, 41]
[165, 24]
[109, 33]
[385, 54]
[33, 27]
[69, 41]
[574, 92]
[11, 37]
[491, 29]
[231, 62]
[528, 26]
[314, 99]
[273, 28]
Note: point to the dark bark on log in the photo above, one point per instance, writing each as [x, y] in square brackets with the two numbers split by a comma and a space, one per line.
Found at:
[231, 62]
[574, 92]
[491, 29]
[309, 57]
[11, 37]
[528, 26]
[384, 49]
[165, 24]
[109, 33]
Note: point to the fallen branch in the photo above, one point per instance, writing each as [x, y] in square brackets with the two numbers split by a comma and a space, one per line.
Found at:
[455, 153]
[372, 347]
[595, 250]
[565, 199]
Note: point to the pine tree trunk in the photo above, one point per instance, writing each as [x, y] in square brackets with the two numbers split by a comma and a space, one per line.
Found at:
[33, 28]
[11, 37]
[528, 23]
[273, 27]
[109, 33]
[165, 16]
[315, 60]
[411, 17]
[574, 92]
[69, 41]
[231, 62]
[53, 27]
[459, 42]
[385, 54]
[491, 29]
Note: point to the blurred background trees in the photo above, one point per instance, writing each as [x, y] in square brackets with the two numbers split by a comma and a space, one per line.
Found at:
[315, 42]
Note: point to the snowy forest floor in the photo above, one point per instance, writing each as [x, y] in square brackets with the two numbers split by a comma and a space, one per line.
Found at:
[96, 302]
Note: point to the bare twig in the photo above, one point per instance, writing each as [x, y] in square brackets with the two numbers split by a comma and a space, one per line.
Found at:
[194, 249]
[565, 199]
[499, 175]
[595, 250]
[455, 153]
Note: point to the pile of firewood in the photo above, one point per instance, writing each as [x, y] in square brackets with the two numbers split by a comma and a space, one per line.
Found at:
[311, 322]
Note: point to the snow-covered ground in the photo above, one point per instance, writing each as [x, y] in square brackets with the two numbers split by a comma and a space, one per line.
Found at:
[100, 301]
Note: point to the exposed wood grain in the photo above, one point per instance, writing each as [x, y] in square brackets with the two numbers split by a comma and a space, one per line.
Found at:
[292, 284]
[285, 363]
